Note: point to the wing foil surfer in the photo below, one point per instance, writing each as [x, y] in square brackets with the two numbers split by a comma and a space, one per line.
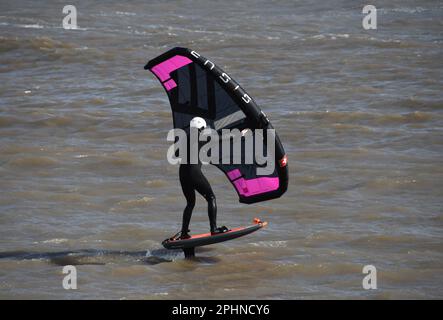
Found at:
[191, 180]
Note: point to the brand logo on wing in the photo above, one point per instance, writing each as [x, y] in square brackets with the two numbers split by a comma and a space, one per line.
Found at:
[223, 76]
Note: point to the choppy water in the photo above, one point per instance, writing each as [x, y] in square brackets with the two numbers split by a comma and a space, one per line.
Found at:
[83, 145]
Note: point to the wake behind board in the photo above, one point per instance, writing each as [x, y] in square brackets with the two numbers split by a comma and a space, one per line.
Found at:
[204, 239]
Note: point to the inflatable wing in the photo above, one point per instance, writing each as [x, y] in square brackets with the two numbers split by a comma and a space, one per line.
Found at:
[197, 87]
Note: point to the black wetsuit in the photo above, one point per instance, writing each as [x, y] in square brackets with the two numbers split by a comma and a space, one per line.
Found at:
[192, 179]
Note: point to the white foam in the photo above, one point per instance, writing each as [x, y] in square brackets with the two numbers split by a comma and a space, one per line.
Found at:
[56, 241]
[123, 13]
[270, 244]
[31, 26]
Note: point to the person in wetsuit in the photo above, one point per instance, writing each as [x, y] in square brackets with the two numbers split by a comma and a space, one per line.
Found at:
[192, 179]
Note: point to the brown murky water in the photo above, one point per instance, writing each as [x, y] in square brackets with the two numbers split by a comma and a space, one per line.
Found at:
[84, 177]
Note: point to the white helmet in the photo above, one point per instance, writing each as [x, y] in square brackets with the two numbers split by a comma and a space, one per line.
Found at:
[198, 123]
